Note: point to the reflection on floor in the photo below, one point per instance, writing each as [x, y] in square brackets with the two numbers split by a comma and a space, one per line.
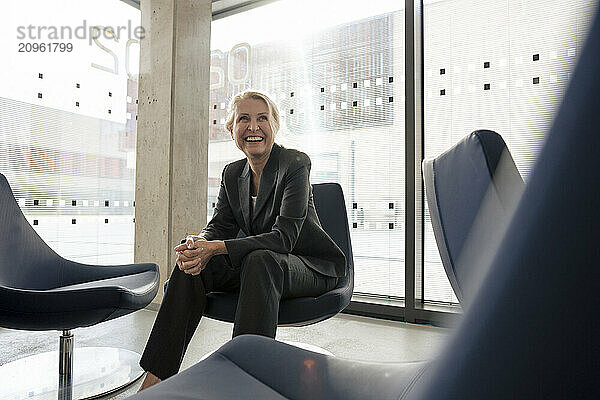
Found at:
[345, 336]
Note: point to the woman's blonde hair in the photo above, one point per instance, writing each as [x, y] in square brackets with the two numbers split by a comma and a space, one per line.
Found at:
[274, 119]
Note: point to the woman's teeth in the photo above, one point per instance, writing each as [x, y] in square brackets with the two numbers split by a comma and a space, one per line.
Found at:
[254, 139]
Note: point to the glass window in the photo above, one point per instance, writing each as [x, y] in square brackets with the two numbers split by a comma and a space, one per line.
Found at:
[335, 69]
[498, 65]
[68, 101]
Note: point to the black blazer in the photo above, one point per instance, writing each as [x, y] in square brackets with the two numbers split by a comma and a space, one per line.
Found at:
[284, 219]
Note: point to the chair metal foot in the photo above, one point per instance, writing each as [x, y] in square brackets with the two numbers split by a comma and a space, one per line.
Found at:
[96, 371]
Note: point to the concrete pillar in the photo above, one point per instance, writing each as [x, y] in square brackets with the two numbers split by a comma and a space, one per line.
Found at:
[172, 130]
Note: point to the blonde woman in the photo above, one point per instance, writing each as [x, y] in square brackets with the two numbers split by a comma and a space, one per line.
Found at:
[285, 253]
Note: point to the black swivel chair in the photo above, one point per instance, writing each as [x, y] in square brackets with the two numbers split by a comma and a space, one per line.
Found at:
[514, 341]
[39, 290]
[476, 172]
[331, 209]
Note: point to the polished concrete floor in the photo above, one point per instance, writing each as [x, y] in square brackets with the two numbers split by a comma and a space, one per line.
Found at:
[345, 336]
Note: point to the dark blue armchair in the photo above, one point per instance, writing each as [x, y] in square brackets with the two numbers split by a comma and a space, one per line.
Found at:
[331, 209]
[40, 290]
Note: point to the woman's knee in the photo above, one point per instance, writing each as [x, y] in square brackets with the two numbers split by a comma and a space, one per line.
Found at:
[258, 256]
[261, 262]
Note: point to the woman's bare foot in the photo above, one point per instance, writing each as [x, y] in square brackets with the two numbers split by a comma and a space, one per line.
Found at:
[149, 380]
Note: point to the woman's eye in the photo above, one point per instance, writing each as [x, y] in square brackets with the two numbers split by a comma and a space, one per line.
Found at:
[262, 118]
[243, 118]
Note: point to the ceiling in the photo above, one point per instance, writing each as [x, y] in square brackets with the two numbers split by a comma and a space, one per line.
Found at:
[222, 8]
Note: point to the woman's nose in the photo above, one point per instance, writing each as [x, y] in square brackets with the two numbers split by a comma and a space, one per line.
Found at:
[253, 126]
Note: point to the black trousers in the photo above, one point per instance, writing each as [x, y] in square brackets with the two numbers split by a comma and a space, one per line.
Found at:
[263, 279]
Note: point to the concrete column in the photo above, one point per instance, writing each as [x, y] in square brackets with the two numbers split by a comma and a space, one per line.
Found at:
[172, 130]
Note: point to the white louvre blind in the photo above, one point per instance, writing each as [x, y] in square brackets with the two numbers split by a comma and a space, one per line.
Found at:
[498, 65]
[68, 96]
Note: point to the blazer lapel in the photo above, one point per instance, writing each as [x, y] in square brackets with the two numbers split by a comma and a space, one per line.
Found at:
[244, 195]
[267, 180]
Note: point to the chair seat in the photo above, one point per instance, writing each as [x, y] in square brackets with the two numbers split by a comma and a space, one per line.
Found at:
[267, 369]
[81, 304]
[292, 312]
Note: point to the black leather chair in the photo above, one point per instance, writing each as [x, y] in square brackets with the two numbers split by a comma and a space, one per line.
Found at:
[531, 330]
[331, 209]
[476, 172]
[39, 290]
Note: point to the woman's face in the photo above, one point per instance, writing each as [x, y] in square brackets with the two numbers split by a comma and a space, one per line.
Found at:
[251, 128]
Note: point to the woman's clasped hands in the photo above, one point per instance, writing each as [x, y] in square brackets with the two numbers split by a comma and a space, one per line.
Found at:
[193, 254]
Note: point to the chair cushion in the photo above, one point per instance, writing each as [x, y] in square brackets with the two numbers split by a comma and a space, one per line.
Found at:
[292, 312]
[78, 305]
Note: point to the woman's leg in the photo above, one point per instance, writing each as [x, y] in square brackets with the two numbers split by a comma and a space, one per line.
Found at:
[179, 315]
[265, 278]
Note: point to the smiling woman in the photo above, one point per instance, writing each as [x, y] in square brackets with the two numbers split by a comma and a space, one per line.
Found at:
[285, 252]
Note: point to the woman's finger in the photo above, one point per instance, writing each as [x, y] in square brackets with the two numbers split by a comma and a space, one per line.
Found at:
[190, 264]
[188, 245]
[194, 270]
[180, 247]
[192, 253]
[183, 258]
[189, 255]
[199, 239]
[189, 242]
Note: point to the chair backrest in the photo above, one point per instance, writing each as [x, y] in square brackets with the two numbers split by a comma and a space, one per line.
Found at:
[331, 210]
[532, 330]
[477, 171]
[26, 261]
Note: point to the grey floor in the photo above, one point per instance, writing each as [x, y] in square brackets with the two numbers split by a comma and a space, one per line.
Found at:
[346, 336]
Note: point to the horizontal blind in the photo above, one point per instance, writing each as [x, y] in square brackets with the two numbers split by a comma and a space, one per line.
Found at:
[497, 65]
[68, 123]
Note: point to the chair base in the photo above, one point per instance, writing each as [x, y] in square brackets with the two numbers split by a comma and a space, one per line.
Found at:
[97, 371]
